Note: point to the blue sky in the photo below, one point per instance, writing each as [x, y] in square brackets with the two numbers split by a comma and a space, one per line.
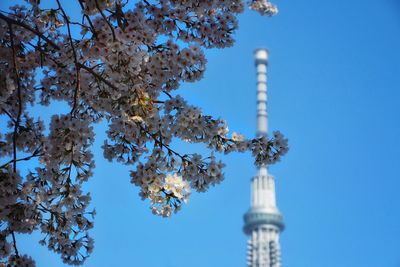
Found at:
[334, 81]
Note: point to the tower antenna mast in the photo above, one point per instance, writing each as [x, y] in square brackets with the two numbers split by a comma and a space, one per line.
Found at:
[263, 222]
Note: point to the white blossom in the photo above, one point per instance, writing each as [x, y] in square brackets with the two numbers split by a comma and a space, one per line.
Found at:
[264, 7]
[21, 261]
[121, 63]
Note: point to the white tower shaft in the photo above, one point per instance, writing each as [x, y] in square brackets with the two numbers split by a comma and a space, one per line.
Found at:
[263, 191]
[263, 222]
[262, 115]
[263, 185]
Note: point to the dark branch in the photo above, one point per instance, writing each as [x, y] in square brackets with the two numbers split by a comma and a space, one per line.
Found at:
[105, 18]
[36, 153]
[98, 76]
[77, 66]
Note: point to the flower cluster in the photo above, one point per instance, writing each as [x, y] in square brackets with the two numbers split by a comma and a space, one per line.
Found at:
[264, 7]
[9, 191]
[94, 6]
[119, 64]
[21, 261]
[168, 195]
[270, 151]
[7, 85]
[202, 173]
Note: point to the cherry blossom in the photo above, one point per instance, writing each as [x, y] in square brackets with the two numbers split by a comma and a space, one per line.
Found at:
[120, 63]
[264, 7]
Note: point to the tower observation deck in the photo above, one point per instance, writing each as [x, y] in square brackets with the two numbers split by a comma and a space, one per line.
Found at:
[263, 222]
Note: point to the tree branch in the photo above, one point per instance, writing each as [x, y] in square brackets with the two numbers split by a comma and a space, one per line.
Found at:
[15, 244]
[35, 154]
[98, 76]
[77, 66]
[85, 16]
[159, 142]
[29, 28]
[16, 124]
[9, 115]
[105, 18]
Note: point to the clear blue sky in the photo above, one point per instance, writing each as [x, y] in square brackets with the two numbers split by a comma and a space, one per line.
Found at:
[334, 85]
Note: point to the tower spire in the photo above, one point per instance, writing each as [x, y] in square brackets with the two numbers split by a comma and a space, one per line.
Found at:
[261, 56]
[263, 221]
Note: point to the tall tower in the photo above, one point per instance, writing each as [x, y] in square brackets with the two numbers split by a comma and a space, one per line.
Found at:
[263, 221]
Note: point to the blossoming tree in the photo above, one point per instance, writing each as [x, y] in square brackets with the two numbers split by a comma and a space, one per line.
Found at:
[122, 62]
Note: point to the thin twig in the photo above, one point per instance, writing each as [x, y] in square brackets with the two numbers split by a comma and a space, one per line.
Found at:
[85, 16]
[105, 18]
[98, 76]
[35, 154]
[168, 94]
[77, 66]
[159, 142]
[9, 115]
[15, 244]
